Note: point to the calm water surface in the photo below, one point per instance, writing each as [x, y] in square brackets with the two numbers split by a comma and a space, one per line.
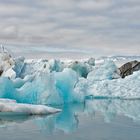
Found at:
[93, 120]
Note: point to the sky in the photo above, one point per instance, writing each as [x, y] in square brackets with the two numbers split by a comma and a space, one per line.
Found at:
[100, 27]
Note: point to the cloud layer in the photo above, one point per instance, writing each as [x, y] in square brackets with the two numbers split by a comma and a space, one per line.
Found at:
[103, 26]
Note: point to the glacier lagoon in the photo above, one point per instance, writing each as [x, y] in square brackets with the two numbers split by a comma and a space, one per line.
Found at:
[95, 102]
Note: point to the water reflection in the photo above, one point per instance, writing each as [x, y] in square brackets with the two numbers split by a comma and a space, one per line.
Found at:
[68, 120]
[8, 119]
[110, 109]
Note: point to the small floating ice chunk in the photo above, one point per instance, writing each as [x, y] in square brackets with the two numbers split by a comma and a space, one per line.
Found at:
[10, 106]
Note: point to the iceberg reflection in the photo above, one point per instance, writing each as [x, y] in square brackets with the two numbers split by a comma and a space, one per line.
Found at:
[66, 121]
[69, 119]
[109, 109]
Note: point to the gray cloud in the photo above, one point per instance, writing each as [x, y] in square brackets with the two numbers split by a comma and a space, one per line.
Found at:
[102, 26]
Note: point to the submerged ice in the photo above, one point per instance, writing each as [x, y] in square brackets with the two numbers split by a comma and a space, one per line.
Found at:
[59, 82]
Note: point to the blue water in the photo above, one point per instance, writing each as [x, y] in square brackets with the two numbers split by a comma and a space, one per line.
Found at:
[99, 119]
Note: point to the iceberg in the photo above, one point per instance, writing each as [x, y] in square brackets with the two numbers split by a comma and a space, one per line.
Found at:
[44, 88]
[127, 88]
[105, 82]
[57, 82]
[11, 107]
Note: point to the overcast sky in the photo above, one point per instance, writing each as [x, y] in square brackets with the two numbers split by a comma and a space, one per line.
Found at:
[101, 26]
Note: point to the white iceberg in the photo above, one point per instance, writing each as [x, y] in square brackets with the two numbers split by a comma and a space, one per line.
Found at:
[105, 82]
[12, 107]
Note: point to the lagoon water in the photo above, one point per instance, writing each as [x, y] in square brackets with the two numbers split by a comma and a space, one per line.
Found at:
[100, 119]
